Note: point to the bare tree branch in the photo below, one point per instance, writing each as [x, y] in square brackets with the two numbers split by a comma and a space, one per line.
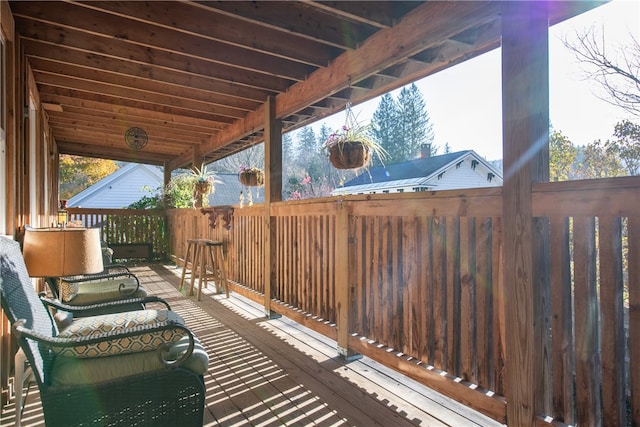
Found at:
[619, 75]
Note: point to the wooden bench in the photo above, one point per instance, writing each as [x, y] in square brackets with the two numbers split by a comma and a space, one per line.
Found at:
[132, 250]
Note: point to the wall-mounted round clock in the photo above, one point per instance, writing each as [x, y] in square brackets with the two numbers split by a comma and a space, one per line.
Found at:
[136, 138]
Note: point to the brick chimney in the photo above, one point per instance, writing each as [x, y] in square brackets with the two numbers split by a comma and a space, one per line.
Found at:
[425, 151]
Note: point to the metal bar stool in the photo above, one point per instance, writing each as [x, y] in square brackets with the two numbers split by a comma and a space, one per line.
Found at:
[205, 253]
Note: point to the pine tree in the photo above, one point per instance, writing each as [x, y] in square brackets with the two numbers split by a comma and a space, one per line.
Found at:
[414, 122]
[384, 128]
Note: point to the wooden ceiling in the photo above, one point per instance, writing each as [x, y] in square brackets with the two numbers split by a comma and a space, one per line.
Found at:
[195, 76]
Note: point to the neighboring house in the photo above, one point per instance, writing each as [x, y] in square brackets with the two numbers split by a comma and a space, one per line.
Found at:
[463, 169]
[121, 188]
[227, 191]
[127, 185]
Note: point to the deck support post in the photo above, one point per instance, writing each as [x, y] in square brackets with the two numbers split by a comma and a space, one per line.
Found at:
[525, 106]
[196, 162]
[343, 284]
[272, 193]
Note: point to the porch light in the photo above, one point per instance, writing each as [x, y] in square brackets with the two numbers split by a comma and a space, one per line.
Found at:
[62, 217]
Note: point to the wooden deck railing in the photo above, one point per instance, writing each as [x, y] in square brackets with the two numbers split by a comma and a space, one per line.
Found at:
[425, 288]
[127, 226]
[420, 276]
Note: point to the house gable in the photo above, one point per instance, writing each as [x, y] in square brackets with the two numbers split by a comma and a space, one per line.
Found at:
[121, 188]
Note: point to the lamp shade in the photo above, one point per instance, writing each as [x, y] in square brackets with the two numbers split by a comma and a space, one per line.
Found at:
[57, 252]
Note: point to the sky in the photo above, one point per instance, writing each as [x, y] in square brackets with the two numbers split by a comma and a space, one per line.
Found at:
[464, 101]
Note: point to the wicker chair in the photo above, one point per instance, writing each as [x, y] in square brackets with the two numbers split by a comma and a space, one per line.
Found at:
[91, 377]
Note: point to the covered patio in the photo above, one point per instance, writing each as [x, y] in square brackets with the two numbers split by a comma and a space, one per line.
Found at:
[512, 300]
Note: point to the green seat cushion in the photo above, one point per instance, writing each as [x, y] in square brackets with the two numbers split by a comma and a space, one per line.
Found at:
[75, 371]
[96, 291]
[94, 326]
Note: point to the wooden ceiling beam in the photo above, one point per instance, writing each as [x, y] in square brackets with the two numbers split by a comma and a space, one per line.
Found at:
[92, 124]
[298, 18]
[143, 56]
[188, 18]
[116, 99]
[117, 142]
[153, 147]
[378, 14]
[74, 16]
[79, 149]
[134, 94]
[57, 72]
[181, 135]
[127, 114]
[233, 95]
[421, 29]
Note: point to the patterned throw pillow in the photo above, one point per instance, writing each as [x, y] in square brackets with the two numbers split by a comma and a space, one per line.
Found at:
[97, 325]
[68, 290]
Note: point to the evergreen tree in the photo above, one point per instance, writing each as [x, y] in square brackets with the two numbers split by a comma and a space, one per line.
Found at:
[325, 131]
[307, 141]
[414, 123]
[311, 167]
[384, 128]
[403, 127]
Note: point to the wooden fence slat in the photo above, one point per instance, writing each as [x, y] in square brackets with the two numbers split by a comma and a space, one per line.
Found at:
[386, 308]
[499, 318]
[425, 265]
[484, 306]
[612, 320]
[633, 238]
[356, 309]
[453, 293]
[439, 306]
[397, 282]
[588, 400]
[562, 354]
[467, 306]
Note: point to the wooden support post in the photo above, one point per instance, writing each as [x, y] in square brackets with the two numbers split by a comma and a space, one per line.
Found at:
[343, 285]
[167, 174]
[197, 162]
[525, 99]
[272, 193]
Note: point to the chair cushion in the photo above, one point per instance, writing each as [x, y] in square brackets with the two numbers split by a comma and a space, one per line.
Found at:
[96, 291]
[97, 325]
[75, 371]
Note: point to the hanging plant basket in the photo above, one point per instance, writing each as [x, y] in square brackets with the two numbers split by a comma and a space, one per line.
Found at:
[349, 155]
[203, 187]
[252, 177]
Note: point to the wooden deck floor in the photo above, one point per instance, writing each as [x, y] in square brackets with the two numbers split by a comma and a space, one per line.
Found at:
[276, 372]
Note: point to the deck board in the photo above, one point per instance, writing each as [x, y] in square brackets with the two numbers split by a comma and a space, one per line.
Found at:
[274, 372]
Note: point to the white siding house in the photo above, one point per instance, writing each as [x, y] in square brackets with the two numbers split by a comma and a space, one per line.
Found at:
[463, 169]
[127, 185]
[121, 188]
